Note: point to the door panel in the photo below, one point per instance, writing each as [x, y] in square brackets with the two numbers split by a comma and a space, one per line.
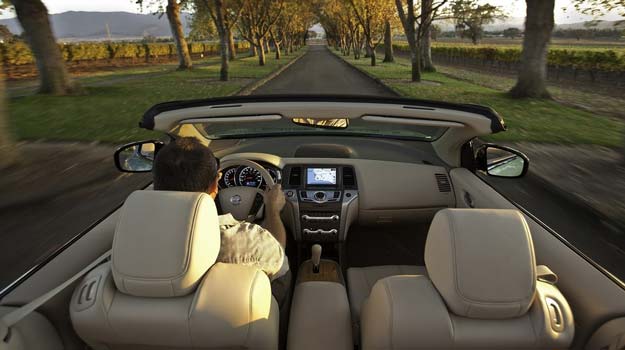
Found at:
[594, 297]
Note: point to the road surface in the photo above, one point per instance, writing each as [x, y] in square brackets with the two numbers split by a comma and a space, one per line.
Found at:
[32, 231]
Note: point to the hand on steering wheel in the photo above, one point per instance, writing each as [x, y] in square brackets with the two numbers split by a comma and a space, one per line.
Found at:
[239, 200]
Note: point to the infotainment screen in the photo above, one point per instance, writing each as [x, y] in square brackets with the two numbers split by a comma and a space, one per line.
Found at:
[321, 176]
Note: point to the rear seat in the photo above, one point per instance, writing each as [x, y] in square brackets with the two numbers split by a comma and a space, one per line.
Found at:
[360, 280]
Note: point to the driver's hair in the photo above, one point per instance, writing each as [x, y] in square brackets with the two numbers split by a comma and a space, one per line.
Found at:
[185, 164]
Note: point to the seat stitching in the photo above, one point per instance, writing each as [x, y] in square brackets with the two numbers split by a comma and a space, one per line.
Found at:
[390, 298]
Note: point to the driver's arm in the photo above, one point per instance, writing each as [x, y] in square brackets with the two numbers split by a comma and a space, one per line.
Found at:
[274, 204]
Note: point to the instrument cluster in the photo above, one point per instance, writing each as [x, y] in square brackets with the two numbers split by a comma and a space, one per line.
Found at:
[247, 176]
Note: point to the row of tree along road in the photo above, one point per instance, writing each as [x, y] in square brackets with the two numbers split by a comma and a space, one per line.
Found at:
[357, 25]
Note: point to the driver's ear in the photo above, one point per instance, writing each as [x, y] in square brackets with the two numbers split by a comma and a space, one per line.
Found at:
[213, 189]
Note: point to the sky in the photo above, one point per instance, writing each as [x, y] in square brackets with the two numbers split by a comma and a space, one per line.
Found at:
[514, 8]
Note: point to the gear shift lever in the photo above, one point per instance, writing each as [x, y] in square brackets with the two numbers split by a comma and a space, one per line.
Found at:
[316, 257]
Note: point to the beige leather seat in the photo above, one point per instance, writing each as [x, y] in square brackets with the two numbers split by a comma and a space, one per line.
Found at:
[483, 291]
[162, 288]
[360, 280]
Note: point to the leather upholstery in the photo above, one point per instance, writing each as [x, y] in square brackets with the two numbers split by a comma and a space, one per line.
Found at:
[360, 280]
[232, 308]
[482, 262]
[164, 243]
[164, 291]
[462, 306]
[320, 317]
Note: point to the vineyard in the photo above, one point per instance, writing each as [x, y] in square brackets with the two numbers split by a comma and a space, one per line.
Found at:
[612, 60]
[18, 61]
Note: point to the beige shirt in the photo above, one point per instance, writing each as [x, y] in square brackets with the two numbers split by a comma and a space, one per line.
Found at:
[250, 244]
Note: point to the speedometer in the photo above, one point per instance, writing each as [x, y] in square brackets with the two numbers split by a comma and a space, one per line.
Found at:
[250, 177]
[229, 177]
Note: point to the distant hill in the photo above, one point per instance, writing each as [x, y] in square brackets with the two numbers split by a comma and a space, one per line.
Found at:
[77, 26]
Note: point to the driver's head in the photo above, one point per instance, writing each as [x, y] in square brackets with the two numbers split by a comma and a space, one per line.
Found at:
[186, 165]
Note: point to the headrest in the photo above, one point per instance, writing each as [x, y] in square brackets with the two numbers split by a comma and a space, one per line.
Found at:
[482, 262]
[164, 243]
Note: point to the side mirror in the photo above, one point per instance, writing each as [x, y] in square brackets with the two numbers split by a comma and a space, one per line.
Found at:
[137, 157]
[501, 161]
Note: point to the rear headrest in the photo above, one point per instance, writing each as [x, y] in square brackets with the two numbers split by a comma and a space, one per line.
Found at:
[482, 262]
[164, 243]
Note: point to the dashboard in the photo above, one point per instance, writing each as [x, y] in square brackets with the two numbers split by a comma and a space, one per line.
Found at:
[248, 177]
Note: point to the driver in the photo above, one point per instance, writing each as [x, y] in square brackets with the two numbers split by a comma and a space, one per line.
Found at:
[185, 164]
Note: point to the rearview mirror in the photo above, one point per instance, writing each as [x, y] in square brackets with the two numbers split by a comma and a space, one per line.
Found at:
[501, 161]
[137, 157]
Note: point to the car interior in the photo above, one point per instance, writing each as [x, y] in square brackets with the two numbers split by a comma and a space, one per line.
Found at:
[395, 241]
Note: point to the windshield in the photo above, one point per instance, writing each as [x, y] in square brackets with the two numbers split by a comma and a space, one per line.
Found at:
[286, 127]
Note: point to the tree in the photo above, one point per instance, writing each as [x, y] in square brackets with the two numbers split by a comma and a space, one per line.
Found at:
[53, 76]
[512, 33]
[416, 26]
[172, 10]
[257, 18]
[225, 14]
[470, 17]
[539, 23]
[202, 25]
[372, 16]
[388, 43]
[173, 15]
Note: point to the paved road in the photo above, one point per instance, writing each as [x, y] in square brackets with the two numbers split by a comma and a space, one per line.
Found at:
[320, 72]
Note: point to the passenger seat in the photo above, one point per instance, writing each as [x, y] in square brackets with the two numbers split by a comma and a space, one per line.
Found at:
[484, 291]
[360, 280]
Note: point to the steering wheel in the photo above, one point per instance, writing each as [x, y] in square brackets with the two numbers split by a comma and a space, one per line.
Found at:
[239, 200]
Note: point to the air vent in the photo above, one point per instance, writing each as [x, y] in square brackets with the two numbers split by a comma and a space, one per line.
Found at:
[443, 183]
[348, 177]
[295, 177]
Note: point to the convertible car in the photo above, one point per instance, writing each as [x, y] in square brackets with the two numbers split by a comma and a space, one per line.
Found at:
[396, 241]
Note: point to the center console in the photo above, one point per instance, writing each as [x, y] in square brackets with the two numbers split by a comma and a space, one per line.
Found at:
[320, 313]
[323, 199]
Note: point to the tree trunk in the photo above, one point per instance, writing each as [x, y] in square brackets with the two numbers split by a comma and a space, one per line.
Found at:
[372, 56]
[173, 15]
[253, 50]
[53, 76]
[278, 53]
[223, 31]
[388, 43]
[533, 71]
[261, 52]
[415, 61]
[426, 51]
[7, 146]
[232, 50]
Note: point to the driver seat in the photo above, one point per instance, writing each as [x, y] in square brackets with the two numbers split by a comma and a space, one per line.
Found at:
[162, 288]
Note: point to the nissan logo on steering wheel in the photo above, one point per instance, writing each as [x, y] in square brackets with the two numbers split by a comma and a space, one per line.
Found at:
[235, 200]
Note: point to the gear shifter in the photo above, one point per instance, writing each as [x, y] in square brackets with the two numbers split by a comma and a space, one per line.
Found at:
[316, 257]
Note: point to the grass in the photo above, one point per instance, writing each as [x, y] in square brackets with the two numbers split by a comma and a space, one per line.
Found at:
[113, 104]
[530, 120]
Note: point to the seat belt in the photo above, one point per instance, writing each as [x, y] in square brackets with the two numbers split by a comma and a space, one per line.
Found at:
[12, 318]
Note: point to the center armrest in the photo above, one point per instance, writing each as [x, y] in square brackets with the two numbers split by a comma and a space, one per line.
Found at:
[320, 317]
